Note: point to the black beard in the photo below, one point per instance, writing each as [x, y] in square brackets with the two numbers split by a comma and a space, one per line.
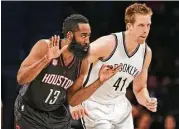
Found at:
[78, 50]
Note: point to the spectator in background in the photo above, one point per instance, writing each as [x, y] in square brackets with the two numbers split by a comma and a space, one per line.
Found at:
[170, 122]
[144, 121]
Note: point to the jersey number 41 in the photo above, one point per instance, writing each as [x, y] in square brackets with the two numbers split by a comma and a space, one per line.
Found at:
[117, 83]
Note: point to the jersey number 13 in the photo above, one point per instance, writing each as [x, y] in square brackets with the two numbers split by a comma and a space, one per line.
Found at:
[52, 96]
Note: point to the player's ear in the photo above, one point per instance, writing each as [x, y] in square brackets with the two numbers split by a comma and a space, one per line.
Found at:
[128, 26]
[69, 35]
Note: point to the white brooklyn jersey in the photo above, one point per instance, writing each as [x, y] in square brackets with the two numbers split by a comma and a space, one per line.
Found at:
[131, 67]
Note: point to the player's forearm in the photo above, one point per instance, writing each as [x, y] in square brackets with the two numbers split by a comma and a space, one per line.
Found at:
[27, 74]
[142, 96]
[84, 93]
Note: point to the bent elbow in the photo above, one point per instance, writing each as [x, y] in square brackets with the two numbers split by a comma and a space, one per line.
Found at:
[19, 79]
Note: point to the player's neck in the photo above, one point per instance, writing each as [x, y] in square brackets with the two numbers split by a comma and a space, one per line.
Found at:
[130, 42]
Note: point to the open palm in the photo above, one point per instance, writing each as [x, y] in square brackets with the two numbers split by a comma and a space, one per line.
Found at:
[53, 47]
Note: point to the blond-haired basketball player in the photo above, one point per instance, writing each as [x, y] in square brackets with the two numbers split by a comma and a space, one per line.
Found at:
[107, 106]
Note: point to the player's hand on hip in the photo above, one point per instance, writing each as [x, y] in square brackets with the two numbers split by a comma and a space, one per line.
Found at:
[78, 112]
[53, 47]
[107, 71]
[151, 104]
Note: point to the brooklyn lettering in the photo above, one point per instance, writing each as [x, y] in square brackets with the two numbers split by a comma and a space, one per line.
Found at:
[133, 71]
[57, 80]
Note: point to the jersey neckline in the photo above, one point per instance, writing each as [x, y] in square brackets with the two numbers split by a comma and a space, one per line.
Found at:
[125, 48]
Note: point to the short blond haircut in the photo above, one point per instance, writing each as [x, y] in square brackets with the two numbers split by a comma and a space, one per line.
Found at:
[136, 8]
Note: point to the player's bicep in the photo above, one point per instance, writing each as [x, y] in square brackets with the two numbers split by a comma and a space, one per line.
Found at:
[37, 52]
[79, 81]
[141, 80]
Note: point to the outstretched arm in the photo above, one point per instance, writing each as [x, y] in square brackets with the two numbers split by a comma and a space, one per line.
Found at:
[100, 48]
[140, 85]
[77, 96]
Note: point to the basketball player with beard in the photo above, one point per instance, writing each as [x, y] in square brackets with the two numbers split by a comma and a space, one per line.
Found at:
[47, 76]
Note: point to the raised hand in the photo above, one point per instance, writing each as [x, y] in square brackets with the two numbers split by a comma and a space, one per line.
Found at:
[107, 71]
[53, 48]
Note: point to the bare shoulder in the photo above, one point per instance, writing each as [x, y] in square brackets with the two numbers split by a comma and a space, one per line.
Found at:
[37, 52]
[104, 41]
[109, 37]
[40, 48]
[41, 44]
[43, 41]
[102, 47]
[107, 40]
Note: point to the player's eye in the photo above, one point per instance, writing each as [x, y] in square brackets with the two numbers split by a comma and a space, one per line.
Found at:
[141, 25]
[148, 25]
[83, 35]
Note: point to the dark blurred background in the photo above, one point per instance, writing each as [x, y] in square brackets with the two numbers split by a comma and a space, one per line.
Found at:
[24, 23]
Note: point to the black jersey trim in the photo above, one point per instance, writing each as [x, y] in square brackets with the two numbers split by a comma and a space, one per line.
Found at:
[125, 48]
[60, 58]
[116, 44]
[61, 61]
[71, 63]
[68, 65]
[79, 67]
[89, 72]
[83, 123]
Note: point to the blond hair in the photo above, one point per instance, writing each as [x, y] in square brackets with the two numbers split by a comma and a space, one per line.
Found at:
[136, 8]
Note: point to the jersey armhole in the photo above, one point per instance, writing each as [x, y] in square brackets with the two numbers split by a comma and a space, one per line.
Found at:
[116, 43]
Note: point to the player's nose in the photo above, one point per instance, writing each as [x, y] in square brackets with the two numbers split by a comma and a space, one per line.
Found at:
[145, 30]
[87, 40]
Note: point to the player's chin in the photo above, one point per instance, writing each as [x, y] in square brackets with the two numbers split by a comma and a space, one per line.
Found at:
[142, 41]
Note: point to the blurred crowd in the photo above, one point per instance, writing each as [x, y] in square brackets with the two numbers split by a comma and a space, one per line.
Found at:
[23, 23]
